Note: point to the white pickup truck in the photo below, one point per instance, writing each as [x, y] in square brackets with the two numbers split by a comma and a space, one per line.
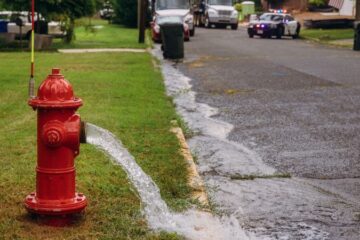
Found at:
[220, 13]
[53, 28]
[179, 8]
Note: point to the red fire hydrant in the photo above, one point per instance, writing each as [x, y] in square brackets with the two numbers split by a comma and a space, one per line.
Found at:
[59, 133]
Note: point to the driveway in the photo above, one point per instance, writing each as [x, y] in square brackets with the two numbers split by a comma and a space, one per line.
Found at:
[290, 166]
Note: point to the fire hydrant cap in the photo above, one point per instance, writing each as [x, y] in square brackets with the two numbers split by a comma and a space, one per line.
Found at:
[55, 92]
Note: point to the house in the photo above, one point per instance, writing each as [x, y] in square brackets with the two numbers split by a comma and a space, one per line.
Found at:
[290, 5]
[345, 7]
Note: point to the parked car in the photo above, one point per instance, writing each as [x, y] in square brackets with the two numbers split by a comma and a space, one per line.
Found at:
[156, 29]
[179, 8]
[220, 13]
[5, 15]
[24, 19]
[277, 24]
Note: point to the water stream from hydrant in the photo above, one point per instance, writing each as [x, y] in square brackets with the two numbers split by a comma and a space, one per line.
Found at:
[192, 224]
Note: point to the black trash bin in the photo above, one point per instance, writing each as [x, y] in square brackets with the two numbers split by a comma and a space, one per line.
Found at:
[41, 27]
[357, 36]
[172, 34]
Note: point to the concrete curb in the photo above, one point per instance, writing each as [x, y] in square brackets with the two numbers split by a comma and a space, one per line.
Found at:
[194, 179]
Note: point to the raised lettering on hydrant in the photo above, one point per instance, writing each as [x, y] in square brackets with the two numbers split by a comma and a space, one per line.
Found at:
[59, 133]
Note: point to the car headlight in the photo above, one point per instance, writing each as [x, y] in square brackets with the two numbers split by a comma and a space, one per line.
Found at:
[235, 14]
[212, 12]
[251, 26]
[188, 18]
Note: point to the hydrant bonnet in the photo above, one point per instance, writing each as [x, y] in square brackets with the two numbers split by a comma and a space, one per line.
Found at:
[55, 92]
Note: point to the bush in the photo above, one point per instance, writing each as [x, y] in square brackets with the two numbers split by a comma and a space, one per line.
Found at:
[317, 3]
[238, 7]
[126, 12]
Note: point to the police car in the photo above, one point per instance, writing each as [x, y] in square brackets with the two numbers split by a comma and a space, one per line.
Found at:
[277, 23]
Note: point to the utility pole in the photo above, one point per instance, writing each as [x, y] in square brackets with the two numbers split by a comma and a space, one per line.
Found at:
[357, 26]
[141, 20]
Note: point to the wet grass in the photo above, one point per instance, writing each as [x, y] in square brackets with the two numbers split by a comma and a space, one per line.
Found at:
[122, 93]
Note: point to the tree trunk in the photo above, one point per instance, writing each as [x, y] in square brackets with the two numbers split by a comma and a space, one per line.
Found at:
[70, 32]
[357, 16]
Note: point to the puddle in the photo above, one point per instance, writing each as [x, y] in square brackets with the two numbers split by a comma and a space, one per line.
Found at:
[192, 224]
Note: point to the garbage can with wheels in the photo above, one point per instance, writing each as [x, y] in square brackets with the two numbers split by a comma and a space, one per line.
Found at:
[357, 36]
[172, 34]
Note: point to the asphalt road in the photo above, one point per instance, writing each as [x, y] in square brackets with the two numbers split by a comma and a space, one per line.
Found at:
[297, 106]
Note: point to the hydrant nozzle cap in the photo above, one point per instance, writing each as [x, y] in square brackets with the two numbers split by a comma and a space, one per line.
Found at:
[55, 71]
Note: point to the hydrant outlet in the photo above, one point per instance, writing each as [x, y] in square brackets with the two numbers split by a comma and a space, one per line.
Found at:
[83, 133]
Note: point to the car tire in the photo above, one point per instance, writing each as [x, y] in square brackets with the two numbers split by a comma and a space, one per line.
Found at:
[192, 32]
[250, 33]
[234, 26]
[297, 34]
[279, 32]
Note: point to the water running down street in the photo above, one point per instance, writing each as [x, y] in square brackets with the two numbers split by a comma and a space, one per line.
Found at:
[278, 184]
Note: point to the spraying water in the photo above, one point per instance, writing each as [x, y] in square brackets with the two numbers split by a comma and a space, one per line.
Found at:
[192, 224]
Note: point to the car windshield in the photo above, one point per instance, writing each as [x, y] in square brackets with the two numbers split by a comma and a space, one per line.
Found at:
[270, 17]
[172, 4]
[221, 2]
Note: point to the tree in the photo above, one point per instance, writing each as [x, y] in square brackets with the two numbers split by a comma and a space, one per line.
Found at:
[73, 9]
[126, 12]
[65, 10]
[274, 3]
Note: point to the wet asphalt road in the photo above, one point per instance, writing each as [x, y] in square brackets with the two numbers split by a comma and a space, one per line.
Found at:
[297, 105]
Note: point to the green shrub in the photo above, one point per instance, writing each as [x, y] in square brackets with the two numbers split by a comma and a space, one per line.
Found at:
[317, 3]
[238, 7]
[126, 12]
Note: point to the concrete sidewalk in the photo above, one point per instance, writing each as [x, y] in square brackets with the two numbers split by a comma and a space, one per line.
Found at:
[102, 50]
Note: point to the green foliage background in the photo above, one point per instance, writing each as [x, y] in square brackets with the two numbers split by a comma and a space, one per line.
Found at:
[125, 12]
[64, 10]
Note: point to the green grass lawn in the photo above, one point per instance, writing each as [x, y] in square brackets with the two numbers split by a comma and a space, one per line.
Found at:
[101, 34]
[327, 35]
[122, 93]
